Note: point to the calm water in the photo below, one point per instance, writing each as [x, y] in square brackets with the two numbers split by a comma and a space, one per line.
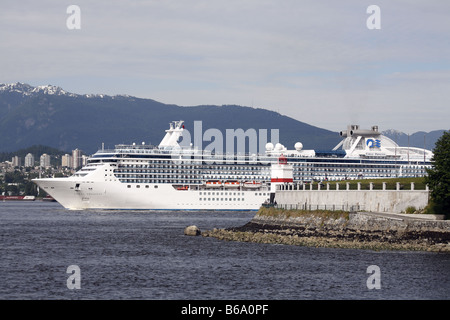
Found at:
[144, 255]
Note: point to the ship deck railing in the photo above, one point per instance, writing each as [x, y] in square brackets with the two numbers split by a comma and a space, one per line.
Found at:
[391, 185]
[184, 151]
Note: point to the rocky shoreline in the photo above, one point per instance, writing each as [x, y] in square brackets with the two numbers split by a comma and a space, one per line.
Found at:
[339, 230]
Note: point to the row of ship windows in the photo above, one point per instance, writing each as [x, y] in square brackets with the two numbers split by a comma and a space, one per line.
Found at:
[184, 167]
[171, 177]
[345, 170]
[221, 199]
[225, 166]
[138, 186]
[178, 178]
[188, 172]
[125, 171]
[213, 193]
[196, 161]
[159, 181]
[356, 166]
[363, 170]
[198, 169]
[119, 173]
[193, 180]
[248, 167]
[230, 193]
[183, 179]
[198, 182]
[164, 179]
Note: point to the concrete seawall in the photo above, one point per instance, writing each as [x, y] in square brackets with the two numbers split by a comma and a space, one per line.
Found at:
[345, 230]
[359, 222]
[368, 200]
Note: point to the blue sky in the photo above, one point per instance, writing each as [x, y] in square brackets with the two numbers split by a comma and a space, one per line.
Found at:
[315, 61]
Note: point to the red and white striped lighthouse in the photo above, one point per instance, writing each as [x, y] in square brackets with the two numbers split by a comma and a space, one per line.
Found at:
[281, 173]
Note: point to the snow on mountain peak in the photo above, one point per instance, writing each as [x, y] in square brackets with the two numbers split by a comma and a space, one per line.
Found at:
[27, 90]
[17, 87]
[392, 132]
[49, 89]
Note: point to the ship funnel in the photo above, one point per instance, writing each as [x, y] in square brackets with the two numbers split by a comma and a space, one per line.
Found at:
[175, 131]
[349, 132]
[364, 133]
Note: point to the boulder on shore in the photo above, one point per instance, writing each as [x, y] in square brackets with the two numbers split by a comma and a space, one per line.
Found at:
[192, 231]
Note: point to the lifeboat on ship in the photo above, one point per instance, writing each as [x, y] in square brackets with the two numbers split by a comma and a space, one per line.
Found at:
[252, 184]
[232, 184]
[183, 188]
[213, 184]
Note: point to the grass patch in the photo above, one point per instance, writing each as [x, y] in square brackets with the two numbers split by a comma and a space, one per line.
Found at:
[411, 209]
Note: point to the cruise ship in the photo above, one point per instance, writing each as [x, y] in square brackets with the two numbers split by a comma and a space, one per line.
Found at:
[172, 177]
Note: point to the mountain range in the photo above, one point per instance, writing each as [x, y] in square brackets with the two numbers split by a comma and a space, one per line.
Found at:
[419, 139]
[48, 115]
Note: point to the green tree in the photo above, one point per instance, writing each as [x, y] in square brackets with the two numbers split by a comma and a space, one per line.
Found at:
[438, 177]
[30, 189]
[14, 177]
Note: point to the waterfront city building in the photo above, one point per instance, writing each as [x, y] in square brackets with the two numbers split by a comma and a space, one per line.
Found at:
[67, 161]
[77, 158]
[16, 161]
[45, 161]
[29, 160]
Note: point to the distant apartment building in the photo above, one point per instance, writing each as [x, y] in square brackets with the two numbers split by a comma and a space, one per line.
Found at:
[67, 161]
[84, 160]
[45, 161]
[77, 158]
[29, 160]
[16, 161]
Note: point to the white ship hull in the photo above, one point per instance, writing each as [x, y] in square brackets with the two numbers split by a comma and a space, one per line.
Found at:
[91, 193]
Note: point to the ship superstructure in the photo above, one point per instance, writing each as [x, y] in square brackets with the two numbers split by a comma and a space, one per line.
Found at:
[172, 177]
